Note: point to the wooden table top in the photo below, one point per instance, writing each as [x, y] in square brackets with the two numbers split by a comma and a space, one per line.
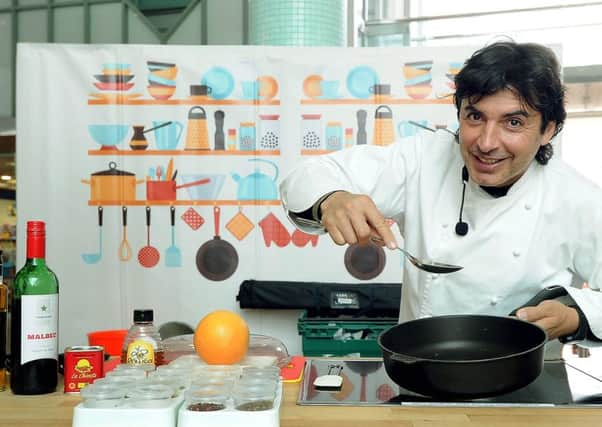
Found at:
[56, 410]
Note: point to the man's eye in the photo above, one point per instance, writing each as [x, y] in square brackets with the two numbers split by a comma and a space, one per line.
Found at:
[514, 123]
[473, 116]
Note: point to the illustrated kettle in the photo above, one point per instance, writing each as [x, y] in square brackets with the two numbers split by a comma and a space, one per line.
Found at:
[257, 185]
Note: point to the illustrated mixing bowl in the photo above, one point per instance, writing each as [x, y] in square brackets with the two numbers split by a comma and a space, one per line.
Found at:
[108, 135]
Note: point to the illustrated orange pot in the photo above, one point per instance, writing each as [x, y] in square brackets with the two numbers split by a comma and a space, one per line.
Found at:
[112, 185]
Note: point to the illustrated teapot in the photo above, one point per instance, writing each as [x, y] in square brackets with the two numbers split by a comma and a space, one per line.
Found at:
[257, 186]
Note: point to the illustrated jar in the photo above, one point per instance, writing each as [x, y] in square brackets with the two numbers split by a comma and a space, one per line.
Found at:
[311, 129]
[247, 136]
[269, 131]
[334, 136]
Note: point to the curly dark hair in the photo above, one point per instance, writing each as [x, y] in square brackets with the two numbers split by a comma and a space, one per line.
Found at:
[530, 70]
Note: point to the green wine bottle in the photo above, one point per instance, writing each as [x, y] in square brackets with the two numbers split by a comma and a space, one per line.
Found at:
[34, 320]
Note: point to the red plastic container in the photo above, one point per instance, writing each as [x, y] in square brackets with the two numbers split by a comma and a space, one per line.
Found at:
[111, 340]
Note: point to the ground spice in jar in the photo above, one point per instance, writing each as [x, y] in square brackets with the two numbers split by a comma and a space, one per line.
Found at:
[206, 406]
[256, 405]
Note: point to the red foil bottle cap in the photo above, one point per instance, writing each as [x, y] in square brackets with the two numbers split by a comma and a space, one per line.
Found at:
[36, 239]
[36, 227]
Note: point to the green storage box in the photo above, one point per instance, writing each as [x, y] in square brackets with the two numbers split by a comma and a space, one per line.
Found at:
[342, 335]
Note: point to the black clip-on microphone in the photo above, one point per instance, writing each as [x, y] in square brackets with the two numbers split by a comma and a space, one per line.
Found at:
[461, 226]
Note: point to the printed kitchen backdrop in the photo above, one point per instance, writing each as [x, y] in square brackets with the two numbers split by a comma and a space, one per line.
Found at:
[157, 167]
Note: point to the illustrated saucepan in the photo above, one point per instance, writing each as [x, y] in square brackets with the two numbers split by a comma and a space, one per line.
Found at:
[466, 356]
[112, 185]
[166, 190]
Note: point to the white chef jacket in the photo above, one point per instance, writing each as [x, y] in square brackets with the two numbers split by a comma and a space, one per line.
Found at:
[546, 231]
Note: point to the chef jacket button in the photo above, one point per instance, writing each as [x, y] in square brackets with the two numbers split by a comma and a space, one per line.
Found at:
[516, 253]
[445, 225]
[493, 301]
[434, 276]
[528, 206]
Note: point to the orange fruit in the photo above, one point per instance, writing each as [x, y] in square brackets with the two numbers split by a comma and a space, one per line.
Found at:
[221, 338]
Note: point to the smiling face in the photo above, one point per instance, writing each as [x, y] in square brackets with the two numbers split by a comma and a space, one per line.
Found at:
[499, 137]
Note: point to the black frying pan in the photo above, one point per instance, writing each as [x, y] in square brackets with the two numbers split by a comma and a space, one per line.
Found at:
[365, 261]
[216, 259]
[466, 356]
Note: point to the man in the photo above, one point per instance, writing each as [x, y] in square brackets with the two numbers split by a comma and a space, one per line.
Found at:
[490, 198]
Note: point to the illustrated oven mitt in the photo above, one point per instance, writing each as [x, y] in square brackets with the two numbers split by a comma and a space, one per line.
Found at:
[274, 231]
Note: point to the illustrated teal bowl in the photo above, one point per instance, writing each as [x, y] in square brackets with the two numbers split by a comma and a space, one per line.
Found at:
[108, 135]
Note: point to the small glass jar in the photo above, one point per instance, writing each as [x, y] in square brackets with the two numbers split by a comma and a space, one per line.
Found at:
[206, 398]
[135, 370]
[221, 381]
[187, 361]
[124, 381]
[102, 395]
[252, 381]
[177, 383]
[148, 395]
[253, 399]
[136, 374]
[264, 371]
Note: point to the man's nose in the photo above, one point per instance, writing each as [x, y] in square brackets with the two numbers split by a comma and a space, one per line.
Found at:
[489, 138]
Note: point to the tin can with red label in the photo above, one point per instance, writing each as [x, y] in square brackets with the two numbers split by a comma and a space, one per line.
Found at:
[83, 365]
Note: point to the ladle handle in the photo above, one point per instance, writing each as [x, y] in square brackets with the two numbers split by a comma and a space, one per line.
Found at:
[157, 127]
[100, 216]
[551, 292]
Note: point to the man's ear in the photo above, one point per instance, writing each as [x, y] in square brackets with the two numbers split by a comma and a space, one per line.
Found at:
[548, 133]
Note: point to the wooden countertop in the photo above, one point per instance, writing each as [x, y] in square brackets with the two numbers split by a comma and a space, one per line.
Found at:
[56, 410]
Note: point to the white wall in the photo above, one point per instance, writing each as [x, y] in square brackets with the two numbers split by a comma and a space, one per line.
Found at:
[582, 146]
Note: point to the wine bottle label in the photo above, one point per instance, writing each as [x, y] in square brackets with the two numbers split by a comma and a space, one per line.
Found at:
[141, 352]
[39, 323]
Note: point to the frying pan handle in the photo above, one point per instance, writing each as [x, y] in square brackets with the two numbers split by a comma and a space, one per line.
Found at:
[148, 216]
[100, 216]
[125, 215]
[404, 358]
[550, 292]
[172, 215]
[216, 212]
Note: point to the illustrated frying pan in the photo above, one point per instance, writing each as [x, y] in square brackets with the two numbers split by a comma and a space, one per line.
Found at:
[216, 259]
[365, 261]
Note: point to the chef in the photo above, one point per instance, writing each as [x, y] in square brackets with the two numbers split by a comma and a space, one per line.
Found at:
[491, 198]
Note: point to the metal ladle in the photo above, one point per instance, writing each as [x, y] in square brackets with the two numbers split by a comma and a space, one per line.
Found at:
[431, 267]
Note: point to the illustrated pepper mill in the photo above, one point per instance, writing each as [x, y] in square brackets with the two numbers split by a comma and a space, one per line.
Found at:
[383, 126]
[197, 137]
[362, 137]
[220, 138]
